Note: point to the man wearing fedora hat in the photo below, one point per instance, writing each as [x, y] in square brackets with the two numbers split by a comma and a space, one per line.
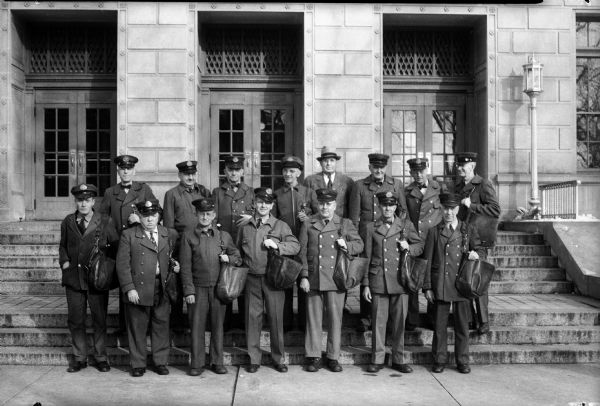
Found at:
[78, 232]
[180, 215]
[142, 267]
[330, 178]
[294, 203]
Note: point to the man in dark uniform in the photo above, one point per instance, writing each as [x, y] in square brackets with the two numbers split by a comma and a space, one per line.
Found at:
[142, 266]
[478, 198]
[294, 203]
[364, 210]
[320, 239]
[444, 250]
[180, 215]
[201, 253]
[254, 239]
[329, 178]
[119, 203]
[425, 212]
[234, 207]
[77, 238]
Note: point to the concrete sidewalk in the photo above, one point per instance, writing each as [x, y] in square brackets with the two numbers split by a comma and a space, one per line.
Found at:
[541, 384]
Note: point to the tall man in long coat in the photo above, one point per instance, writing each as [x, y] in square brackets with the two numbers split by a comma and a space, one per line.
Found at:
[364, 209]
[425, 212]
[320, 239]
[478, 198]
[77, 238]
[142, 266]
[119, 203]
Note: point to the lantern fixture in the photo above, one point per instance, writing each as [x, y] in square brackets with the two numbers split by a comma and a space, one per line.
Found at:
[532, 77]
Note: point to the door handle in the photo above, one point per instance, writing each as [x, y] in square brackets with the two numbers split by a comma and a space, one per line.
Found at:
[81, 162]
[72, 161]
[256, 161]
[247, 162]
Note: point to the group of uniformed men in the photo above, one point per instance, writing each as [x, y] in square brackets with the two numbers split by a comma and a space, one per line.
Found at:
[376, 217]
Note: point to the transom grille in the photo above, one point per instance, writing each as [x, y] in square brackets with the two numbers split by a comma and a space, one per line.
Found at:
[251, 51]
[73, 49]
[442, 53]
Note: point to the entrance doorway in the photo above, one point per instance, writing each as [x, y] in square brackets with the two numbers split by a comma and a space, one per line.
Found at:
[75, 138]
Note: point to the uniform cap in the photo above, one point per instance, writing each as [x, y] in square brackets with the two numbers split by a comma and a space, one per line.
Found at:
[204, 204]
[265, 194]
[125, 161]
[84, 191]
[378, 160]
[325, 195]
[327, 152]
[388, 198]
[290, 161]
[418, 163]
[187, 167]
[233, 162]
[464, 157]
[449, 199]
[148, 207]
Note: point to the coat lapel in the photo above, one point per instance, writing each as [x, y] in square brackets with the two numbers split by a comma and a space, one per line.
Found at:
[133, 194]
[432, 189]
[145, 241]
[94, 223]
[317, 223]
[163, 238]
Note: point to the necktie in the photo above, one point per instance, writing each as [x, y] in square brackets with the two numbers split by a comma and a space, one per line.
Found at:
[153, 239]
[326, 222]
[125, 187]
[379, 182]
[329, 182]
[81, 225]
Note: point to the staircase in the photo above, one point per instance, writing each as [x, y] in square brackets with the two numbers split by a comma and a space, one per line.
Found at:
[535, 317]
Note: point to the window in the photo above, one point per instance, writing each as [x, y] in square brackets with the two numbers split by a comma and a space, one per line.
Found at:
[588, 93]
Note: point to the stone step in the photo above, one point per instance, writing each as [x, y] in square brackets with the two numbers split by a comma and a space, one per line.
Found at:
[524, 261]
[20, 250]
[30, 275]
[529, 274]
[25, 226]
[30, 237]
[523, 287]
[514, 237]
[359, 355]
[521, 250]
[60, 337]
[32, 288]
[29, 262]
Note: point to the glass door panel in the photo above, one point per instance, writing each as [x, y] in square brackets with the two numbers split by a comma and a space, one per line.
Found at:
[95, 161]
[272, 147]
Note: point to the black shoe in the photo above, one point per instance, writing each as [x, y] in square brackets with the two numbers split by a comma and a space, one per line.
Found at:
[410, 327]
[219, 369]
[404, 368]
[437, 368]
[77, 366]
[137, 372]
[103, 366]
[333, 365]
[313, 364]
[363, 325]
[472, 325]
[195, 371]
[463, 368]
[252, 368]
[483, 329]
[161, 370]
[374, 368]
[281, 368]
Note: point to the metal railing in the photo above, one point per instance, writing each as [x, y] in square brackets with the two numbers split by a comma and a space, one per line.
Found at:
[560, 200]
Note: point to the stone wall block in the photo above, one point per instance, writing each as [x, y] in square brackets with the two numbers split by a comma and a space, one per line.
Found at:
[147, 160]
[513, 113]
[511, 89]
[343, 135]
[505, 137]
[329, 112]
[141, 111]
[167, 160]
[359, 15]
[566, 138]
[547, 138]
[504, 41]
[172, 13]
[343, 39]
[356, 162]
[564, 42]
[514, 161]
[547, 17]
[141, 13]
[565, 90]
[329, 14]
[172, 111]
[359, 113]
[343, 88]
[358, 64]
[555, 114]
[556, 162]
[554, 65]
[164, 136]
[172, 87]
[512, 17]
[172, 62]
[141, 62]
[157, 37]
[329, 63]
[535, 41]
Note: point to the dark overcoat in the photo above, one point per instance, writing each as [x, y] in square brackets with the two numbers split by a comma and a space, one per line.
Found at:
[178, 211]
[483, 197]
[230, 205]
[119, 205]
[424, 210]
[289, 201]
[342, 184]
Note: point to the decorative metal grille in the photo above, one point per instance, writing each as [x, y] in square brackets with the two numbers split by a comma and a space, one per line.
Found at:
[251, 51]
[73, 49]
[441, 53]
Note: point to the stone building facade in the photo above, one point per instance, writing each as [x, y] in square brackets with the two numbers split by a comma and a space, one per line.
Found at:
[81, 82]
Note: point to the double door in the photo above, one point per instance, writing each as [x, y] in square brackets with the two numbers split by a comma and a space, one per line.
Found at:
[256, 125]
[75, 140]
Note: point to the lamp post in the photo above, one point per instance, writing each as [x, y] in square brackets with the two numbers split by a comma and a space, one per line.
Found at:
[532, 86]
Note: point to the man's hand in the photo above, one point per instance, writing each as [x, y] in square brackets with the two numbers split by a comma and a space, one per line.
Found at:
[176, 266]
[367, 294]
[244, 219]
[66, 265]
[342, 243]
[302, 216]
[305, 285]
[429, 296]
[133, 218]
[190, 299]
[404, 245]
[466, 201]
[224, 258]
[269, 243]
[473, 256]
[133, 296]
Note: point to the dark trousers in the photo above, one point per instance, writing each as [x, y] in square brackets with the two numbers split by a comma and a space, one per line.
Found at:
[261, 299]
[122, 322]
[137, 326]
[365, 309]
[460, 311]
[288, 309]
[77, 301]
[229, 317]
[412, 316]
[207, 305]
[176, 318]
[394, 309]
[333, 303]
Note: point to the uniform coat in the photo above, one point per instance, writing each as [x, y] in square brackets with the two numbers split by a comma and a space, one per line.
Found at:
[119, 205]
[342, 184]
[230, 205]
[178, 211]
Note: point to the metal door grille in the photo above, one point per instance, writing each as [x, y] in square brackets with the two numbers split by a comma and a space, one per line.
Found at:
[73, 49]
[420, 53]
[251, 51]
